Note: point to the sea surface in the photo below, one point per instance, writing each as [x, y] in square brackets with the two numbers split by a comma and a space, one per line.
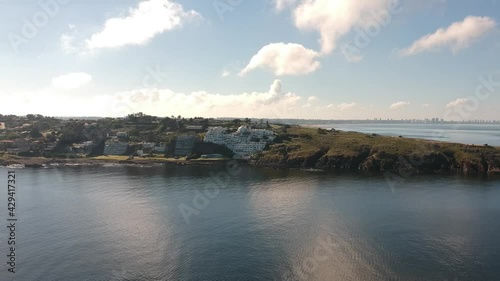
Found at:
[243, 223]
[478, 134]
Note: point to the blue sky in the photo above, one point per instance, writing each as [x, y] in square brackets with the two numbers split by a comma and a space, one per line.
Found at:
[242, 58]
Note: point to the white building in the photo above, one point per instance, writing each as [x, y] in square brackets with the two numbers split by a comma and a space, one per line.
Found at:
[115, 148]
[243, 143]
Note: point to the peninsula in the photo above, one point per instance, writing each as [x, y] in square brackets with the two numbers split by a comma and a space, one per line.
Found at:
[139, 139]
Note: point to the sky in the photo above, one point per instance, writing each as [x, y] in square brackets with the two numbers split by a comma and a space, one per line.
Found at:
[308, 59]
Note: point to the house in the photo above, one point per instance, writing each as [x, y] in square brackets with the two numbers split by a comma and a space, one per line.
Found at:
[161, 148]
[184, 145]
[13, 150]
[22, 145]
[2, 126]
[115, 148]
[4, 144]
[194, 128]
[83, 148]
[148, 147]
[37, 145]
[50, 147]
[123, 136]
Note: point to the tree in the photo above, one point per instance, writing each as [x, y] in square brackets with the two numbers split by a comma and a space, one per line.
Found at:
[35, 133]
[51, 137]
[237, 122]
[134, 133]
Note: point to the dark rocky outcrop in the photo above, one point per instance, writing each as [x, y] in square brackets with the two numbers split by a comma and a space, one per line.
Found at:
[382, 162]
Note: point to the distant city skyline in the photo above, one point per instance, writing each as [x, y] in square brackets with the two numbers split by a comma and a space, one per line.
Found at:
[304, 120]
[277, 59]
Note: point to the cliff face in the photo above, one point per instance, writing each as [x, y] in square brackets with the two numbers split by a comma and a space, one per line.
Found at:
[347, 151]
[431, 163]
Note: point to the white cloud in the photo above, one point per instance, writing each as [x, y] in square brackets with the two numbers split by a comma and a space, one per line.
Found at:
[225, 74]
[150, 18]
[274, 103]
[336, 18]
[343, 106]
[399, 105]
[456, 37]
[347, 106]
[284, 59]
[426, 105]
[310, 101]
[458, 103]
[71, 80]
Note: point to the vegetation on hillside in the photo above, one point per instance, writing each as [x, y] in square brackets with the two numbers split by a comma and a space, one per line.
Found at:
[303, 147]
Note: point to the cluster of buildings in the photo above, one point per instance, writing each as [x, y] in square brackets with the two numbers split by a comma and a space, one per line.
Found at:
[21, 145]
[151, 148]
[83, 148]
[119, 145]
[244, 142]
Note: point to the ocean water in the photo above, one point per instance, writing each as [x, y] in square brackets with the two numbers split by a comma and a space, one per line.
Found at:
[126, 223]
[478, 134]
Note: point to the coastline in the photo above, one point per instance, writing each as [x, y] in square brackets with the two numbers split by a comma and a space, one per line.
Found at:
[29, 162]
[317, 150]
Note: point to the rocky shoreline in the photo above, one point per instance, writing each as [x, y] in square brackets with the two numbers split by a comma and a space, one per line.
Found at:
[433, 164]
[28, 162]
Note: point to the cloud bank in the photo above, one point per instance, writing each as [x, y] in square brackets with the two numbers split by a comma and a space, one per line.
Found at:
[457, 36]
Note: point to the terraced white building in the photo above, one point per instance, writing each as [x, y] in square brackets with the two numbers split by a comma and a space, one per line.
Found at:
[244, 142]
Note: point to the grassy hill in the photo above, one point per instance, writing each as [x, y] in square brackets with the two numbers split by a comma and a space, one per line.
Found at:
[303, 147]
